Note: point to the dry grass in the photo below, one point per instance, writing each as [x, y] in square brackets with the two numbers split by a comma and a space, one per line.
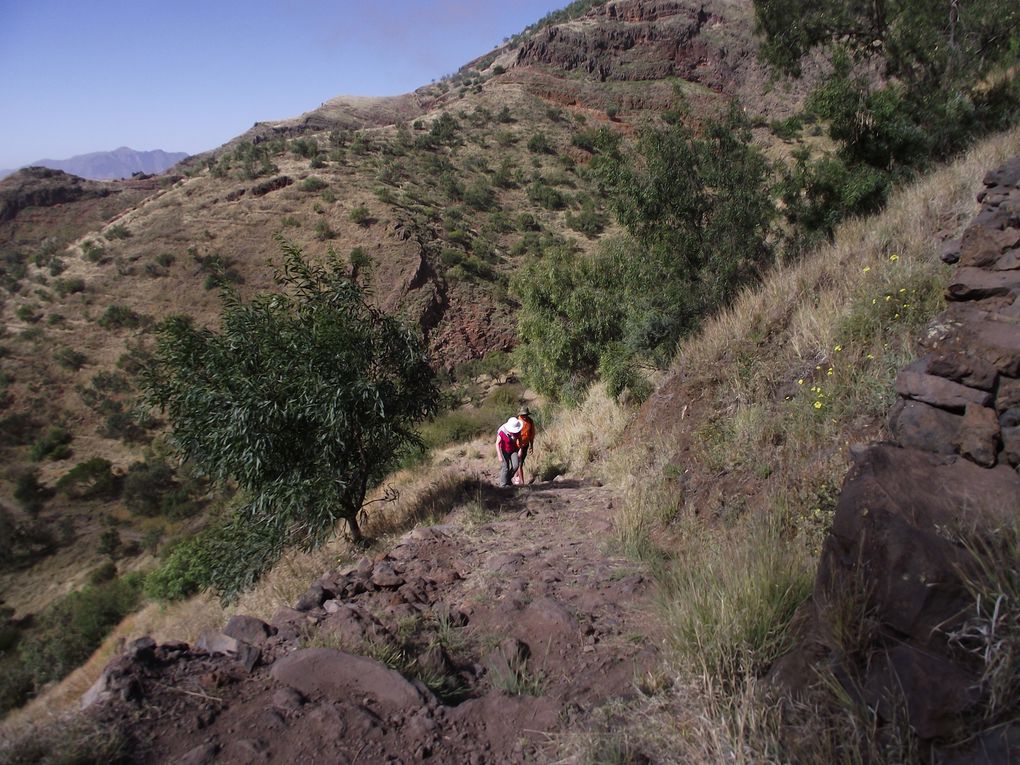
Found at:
[576, 438]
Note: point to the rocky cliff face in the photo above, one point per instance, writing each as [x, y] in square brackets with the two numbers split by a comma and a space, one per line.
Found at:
[43, 187]
[896, 615]
[624, 41]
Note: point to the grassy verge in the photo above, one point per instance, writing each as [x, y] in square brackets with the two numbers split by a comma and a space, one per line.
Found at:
[733, 502]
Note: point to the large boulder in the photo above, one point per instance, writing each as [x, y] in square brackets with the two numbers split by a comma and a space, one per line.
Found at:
[332, 674]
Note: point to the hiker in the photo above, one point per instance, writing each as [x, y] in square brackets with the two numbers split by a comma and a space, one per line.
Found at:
[525, 440]
[506, 447]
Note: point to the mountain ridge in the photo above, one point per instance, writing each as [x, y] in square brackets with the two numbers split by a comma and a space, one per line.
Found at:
[119, 163]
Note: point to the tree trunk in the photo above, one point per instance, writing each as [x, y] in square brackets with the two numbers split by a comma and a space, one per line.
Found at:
[352, 523]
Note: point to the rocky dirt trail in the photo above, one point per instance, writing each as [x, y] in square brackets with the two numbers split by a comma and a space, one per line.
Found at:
[475, 641]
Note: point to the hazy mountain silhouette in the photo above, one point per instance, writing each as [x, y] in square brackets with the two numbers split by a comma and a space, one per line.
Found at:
[105, 165]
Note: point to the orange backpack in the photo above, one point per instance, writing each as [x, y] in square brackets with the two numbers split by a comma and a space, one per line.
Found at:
[527, 434]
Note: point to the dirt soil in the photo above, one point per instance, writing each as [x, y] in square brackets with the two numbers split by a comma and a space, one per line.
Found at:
[510, 623]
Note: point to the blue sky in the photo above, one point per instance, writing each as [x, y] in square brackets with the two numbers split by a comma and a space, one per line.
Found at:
[182, 75]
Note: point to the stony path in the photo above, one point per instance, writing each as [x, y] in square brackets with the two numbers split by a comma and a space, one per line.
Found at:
[509, 624]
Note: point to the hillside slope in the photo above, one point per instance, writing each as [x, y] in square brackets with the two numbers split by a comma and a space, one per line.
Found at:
[437, 196]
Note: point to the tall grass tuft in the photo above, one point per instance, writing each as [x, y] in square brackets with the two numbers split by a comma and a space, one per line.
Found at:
[730, 596]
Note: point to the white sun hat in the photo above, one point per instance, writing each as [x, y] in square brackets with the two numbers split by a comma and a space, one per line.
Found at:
[513, 425]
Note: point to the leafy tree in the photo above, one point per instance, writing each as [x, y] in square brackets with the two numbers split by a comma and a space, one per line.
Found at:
[698, 211]
[302, 398]
[570, 311]
[701, 210]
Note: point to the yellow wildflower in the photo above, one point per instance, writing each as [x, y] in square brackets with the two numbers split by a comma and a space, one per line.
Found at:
[894, 257]
[838, 348]
[867, 268]
[818, 405]
[800, 381]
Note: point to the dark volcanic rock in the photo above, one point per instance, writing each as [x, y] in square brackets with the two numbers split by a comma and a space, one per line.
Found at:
[248, 628]
[920, 426]
[963, 368]
[979, 435]
[938, 391]
[338, 675]
[895, 519]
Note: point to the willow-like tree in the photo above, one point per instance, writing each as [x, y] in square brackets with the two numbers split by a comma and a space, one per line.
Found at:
[303, 399]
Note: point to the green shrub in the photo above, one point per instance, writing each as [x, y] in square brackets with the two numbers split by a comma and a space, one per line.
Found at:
[133, 360]
[151, 539]
[70, 358]
[28, 313]
[114, 382]
[333, 388]
[789, 128]
[118, 231]
[16, 686]
[539, 144]
[109, 543]
[54, 445]
[92, 479]
[227, 557]
[445, 129]
[57, 267]
[359, 260]
[305, 147]
[589, 221]
[70, 629]
[360, 215]
[119, 317]
[313, 184]
[479, 195]
[541, 193]
[123, 425]
[93, 252]
[104, 572]
[69, 286]
[323, 231]
[454, 427]
[29, 492]
[148, 486]
[18, 429]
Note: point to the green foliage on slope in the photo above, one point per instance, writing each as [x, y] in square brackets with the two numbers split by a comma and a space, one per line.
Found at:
[699, 213]
[943, 79]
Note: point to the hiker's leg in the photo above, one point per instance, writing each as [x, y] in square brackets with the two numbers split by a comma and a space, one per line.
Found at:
[504, 470]
[523, 456]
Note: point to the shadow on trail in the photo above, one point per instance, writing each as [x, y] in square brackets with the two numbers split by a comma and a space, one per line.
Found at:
[435, 503]
[572, 483]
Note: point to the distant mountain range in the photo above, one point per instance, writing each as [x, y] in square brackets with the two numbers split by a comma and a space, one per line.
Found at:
[105, 165]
